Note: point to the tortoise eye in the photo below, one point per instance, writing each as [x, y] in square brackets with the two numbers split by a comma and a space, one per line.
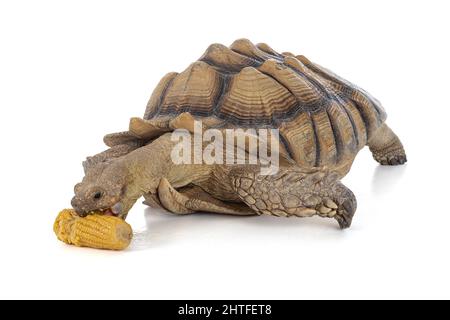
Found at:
[97, 195]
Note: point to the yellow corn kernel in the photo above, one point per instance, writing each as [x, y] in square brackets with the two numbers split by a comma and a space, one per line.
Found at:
[94, 231]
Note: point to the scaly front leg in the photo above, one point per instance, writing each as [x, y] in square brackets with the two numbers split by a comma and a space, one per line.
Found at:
[295, 192]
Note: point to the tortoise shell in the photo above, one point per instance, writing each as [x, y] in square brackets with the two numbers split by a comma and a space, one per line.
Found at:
[322, 118]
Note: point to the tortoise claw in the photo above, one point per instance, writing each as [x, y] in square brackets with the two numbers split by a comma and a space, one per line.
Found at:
[345, 213]
[393, 160]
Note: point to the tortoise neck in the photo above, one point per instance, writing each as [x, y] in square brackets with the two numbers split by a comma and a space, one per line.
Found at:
[148, 164]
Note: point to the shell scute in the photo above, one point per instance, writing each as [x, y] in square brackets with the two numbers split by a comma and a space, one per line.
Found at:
[255, 96]
[226, 59]
[303, 90]
[267, 49]
[300, 137]
[246, 48]
[195, 89]
[323, 119]
[325, 139]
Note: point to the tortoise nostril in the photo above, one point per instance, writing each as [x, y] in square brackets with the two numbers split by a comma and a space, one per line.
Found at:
[76, 206]
[74, 202]
[97, 195]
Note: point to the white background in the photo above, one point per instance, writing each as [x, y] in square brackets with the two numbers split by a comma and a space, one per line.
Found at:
[72, 71]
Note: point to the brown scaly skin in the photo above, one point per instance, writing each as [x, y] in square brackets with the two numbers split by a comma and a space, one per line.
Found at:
[295, 192]
[107, 185]
[291, 192]
[119, 182]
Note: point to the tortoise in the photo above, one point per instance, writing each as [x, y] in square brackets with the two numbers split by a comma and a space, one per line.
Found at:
[322, 122]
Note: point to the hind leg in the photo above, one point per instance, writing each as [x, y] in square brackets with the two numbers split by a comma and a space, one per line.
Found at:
[386, 147]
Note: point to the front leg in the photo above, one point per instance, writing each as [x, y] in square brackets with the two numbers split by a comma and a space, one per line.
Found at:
[295, 192]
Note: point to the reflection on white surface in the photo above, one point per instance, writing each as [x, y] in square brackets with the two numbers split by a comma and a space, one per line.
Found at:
[385, 178]
[163, 228]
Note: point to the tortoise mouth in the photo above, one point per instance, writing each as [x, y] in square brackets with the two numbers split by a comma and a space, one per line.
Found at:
[109, 212]
[114, 211]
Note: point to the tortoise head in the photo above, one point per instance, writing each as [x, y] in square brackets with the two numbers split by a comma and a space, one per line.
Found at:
[106, 188]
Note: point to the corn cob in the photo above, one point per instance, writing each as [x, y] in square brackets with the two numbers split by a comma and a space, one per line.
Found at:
[94, 231]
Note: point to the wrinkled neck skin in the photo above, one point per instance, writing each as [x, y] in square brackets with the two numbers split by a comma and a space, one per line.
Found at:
[114, 186]
[146, 166]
